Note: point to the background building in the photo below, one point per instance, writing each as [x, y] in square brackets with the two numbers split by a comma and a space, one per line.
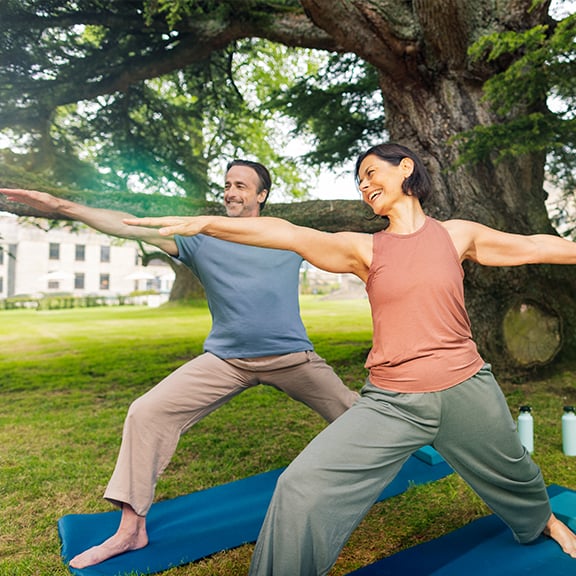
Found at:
[80, 263]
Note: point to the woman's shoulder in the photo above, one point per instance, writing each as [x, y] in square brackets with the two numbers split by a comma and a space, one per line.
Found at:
[459, 226]
[462, 234]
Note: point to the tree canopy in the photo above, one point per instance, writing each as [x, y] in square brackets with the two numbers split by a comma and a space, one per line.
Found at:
[94, 102]
[544, 70]
[145, 94]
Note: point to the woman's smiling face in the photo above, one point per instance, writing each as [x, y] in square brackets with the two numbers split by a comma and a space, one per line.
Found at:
[380, 182]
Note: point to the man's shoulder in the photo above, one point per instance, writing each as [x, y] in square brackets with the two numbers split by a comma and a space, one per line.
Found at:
[228, 246]
[188, 244]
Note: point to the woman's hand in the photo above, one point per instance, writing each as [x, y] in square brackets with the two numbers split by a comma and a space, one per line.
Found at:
[171, 225]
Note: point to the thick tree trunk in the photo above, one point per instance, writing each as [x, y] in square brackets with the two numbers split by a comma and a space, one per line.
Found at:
[186, 286]
[502, 302]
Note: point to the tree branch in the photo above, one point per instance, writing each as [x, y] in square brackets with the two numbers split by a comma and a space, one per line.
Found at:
[91, 75]
[327, 215]
[385, 34]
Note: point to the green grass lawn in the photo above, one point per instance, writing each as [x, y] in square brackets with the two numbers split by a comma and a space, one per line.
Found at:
[67, 378]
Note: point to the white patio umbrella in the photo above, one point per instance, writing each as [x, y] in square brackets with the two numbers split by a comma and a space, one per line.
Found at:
[140, 276]
[58, 275]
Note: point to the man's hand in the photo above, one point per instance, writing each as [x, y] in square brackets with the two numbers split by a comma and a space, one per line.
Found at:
[39, 200]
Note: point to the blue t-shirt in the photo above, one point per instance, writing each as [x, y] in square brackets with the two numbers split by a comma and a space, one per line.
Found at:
[252, 294]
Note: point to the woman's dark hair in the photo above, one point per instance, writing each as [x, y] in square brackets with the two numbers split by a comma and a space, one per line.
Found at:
[418, 184]
[262, 173]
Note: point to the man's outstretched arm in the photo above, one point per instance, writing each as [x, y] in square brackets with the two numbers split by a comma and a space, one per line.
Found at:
[107, 221]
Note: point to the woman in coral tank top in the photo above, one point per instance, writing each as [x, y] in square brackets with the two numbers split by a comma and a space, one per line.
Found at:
[424, 369]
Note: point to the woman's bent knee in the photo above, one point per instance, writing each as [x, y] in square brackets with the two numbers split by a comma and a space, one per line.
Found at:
[300, 490]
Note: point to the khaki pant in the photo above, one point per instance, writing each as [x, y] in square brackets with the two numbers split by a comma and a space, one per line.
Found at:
[156, 420]
[327, 490]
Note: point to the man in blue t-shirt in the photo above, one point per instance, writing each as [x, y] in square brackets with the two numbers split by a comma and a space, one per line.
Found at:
[257, 337]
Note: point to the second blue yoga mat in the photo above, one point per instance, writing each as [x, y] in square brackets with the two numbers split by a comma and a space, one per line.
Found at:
[485, 547]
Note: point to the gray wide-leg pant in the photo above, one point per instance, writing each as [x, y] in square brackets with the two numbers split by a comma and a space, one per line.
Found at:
[327, 490]
[156, 420]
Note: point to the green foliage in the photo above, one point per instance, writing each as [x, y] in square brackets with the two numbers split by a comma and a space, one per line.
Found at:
[521, 135]
[157, 95]
[525, 81]
[542, 71]
[173, 11]
[169, 133]
[338, 105]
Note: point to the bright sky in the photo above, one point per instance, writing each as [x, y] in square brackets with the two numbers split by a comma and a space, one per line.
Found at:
[337, 186]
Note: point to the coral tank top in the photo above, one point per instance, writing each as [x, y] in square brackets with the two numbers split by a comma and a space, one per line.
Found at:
[422, 338]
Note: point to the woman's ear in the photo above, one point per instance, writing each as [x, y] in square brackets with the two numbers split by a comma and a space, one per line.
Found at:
[407, 166]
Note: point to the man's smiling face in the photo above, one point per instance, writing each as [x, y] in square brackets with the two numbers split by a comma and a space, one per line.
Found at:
[241, 196]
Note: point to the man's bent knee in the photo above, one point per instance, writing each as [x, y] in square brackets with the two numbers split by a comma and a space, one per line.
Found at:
[143, 410]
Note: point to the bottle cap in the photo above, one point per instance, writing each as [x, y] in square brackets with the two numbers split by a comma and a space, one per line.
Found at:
[568, 408]
[525, 409]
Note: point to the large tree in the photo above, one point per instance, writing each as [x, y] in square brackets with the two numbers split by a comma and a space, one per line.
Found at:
[431, 88]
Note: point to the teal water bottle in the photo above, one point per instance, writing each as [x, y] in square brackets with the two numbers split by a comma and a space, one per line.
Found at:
[526, 428]
[569, 431]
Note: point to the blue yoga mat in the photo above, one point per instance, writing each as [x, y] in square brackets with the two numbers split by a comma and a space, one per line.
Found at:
[191, 527]
[485, 547]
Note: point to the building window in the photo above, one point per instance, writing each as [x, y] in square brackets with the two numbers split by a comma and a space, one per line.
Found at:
[80, 253]
[1, 256]
[1, 284]
[104, 253]
[104, 281]
[53, 284]
[54, 253]
[79, 281]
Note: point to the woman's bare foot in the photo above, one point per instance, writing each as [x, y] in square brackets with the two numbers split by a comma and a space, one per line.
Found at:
[131, 535]
[559, 532]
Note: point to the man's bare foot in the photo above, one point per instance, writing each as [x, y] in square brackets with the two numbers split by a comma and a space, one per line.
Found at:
[559, 532]
[131, 535]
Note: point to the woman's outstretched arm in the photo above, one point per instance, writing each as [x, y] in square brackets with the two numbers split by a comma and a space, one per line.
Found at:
[341, 252]
[491, 247]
